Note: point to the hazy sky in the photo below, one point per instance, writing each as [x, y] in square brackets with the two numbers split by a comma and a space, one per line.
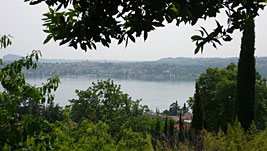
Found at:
[24, 23]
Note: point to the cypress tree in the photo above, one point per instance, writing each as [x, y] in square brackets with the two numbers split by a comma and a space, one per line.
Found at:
[158, 127]
[176, 108]
[197, 121]
[171, 128]
[246, 76]
[181, 128]
[157, 111]
[184, 109]
[157, 134]
[165, 126]
[171, 132]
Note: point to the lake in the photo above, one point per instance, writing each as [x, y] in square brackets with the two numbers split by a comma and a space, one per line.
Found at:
[153, 93]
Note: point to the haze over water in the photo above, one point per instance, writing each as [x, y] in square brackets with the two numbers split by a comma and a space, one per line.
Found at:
[153, 93]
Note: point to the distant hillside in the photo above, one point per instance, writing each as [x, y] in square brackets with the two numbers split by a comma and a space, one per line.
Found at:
[210, 62]
[11, 57]
[206, 60]
[163, 69]
[197, 60]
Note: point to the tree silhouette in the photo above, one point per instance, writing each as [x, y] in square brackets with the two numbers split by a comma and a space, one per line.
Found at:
[246, 77]
[197, 121]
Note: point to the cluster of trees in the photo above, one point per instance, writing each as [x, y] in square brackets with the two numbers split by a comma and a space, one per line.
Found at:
[175, 109]
[49, 112]
[102, 118]
[214, 103]
[104, 102]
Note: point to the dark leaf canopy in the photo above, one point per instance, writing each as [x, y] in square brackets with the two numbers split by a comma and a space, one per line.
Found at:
[85, 23]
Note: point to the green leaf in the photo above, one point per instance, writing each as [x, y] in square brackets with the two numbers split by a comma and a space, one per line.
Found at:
[48, 38]
[145, 35]
[126, 41]
[46, 31]
[216, 40]
[169, 19]
[196, 38]
[227, 38]
[214, 45]
[64, 41]
[120, 40]
[83, 46]
[197, 49]
[204, 30]
[35, 2]
[174, 9]
[157, 24]
[132, 38]
[36, 57]
[93, 44]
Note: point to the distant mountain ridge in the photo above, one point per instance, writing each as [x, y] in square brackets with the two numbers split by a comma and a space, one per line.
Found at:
[12, 57]
[212, 62]
[181, 59]
[163, 69]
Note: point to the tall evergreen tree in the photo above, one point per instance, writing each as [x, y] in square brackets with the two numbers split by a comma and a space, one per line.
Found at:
[181, 128]
[171, 127]
[166, 126]
[157, 111]
[185, 109]
[171, 132]
[197, 121]
[246, 76]
[158, 127]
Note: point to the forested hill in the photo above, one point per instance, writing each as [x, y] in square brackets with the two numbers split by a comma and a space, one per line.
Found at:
[12, 57]
[163, 69]
[202, 60]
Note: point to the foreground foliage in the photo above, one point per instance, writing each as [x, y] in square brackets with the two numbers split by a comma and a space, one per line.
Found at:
[90, 136]
[215, 100]
[236, 138]
[16, 127]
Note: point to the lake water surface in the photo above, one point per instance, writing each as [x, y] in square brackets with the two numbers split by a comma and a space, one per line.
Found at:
[153, 93]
